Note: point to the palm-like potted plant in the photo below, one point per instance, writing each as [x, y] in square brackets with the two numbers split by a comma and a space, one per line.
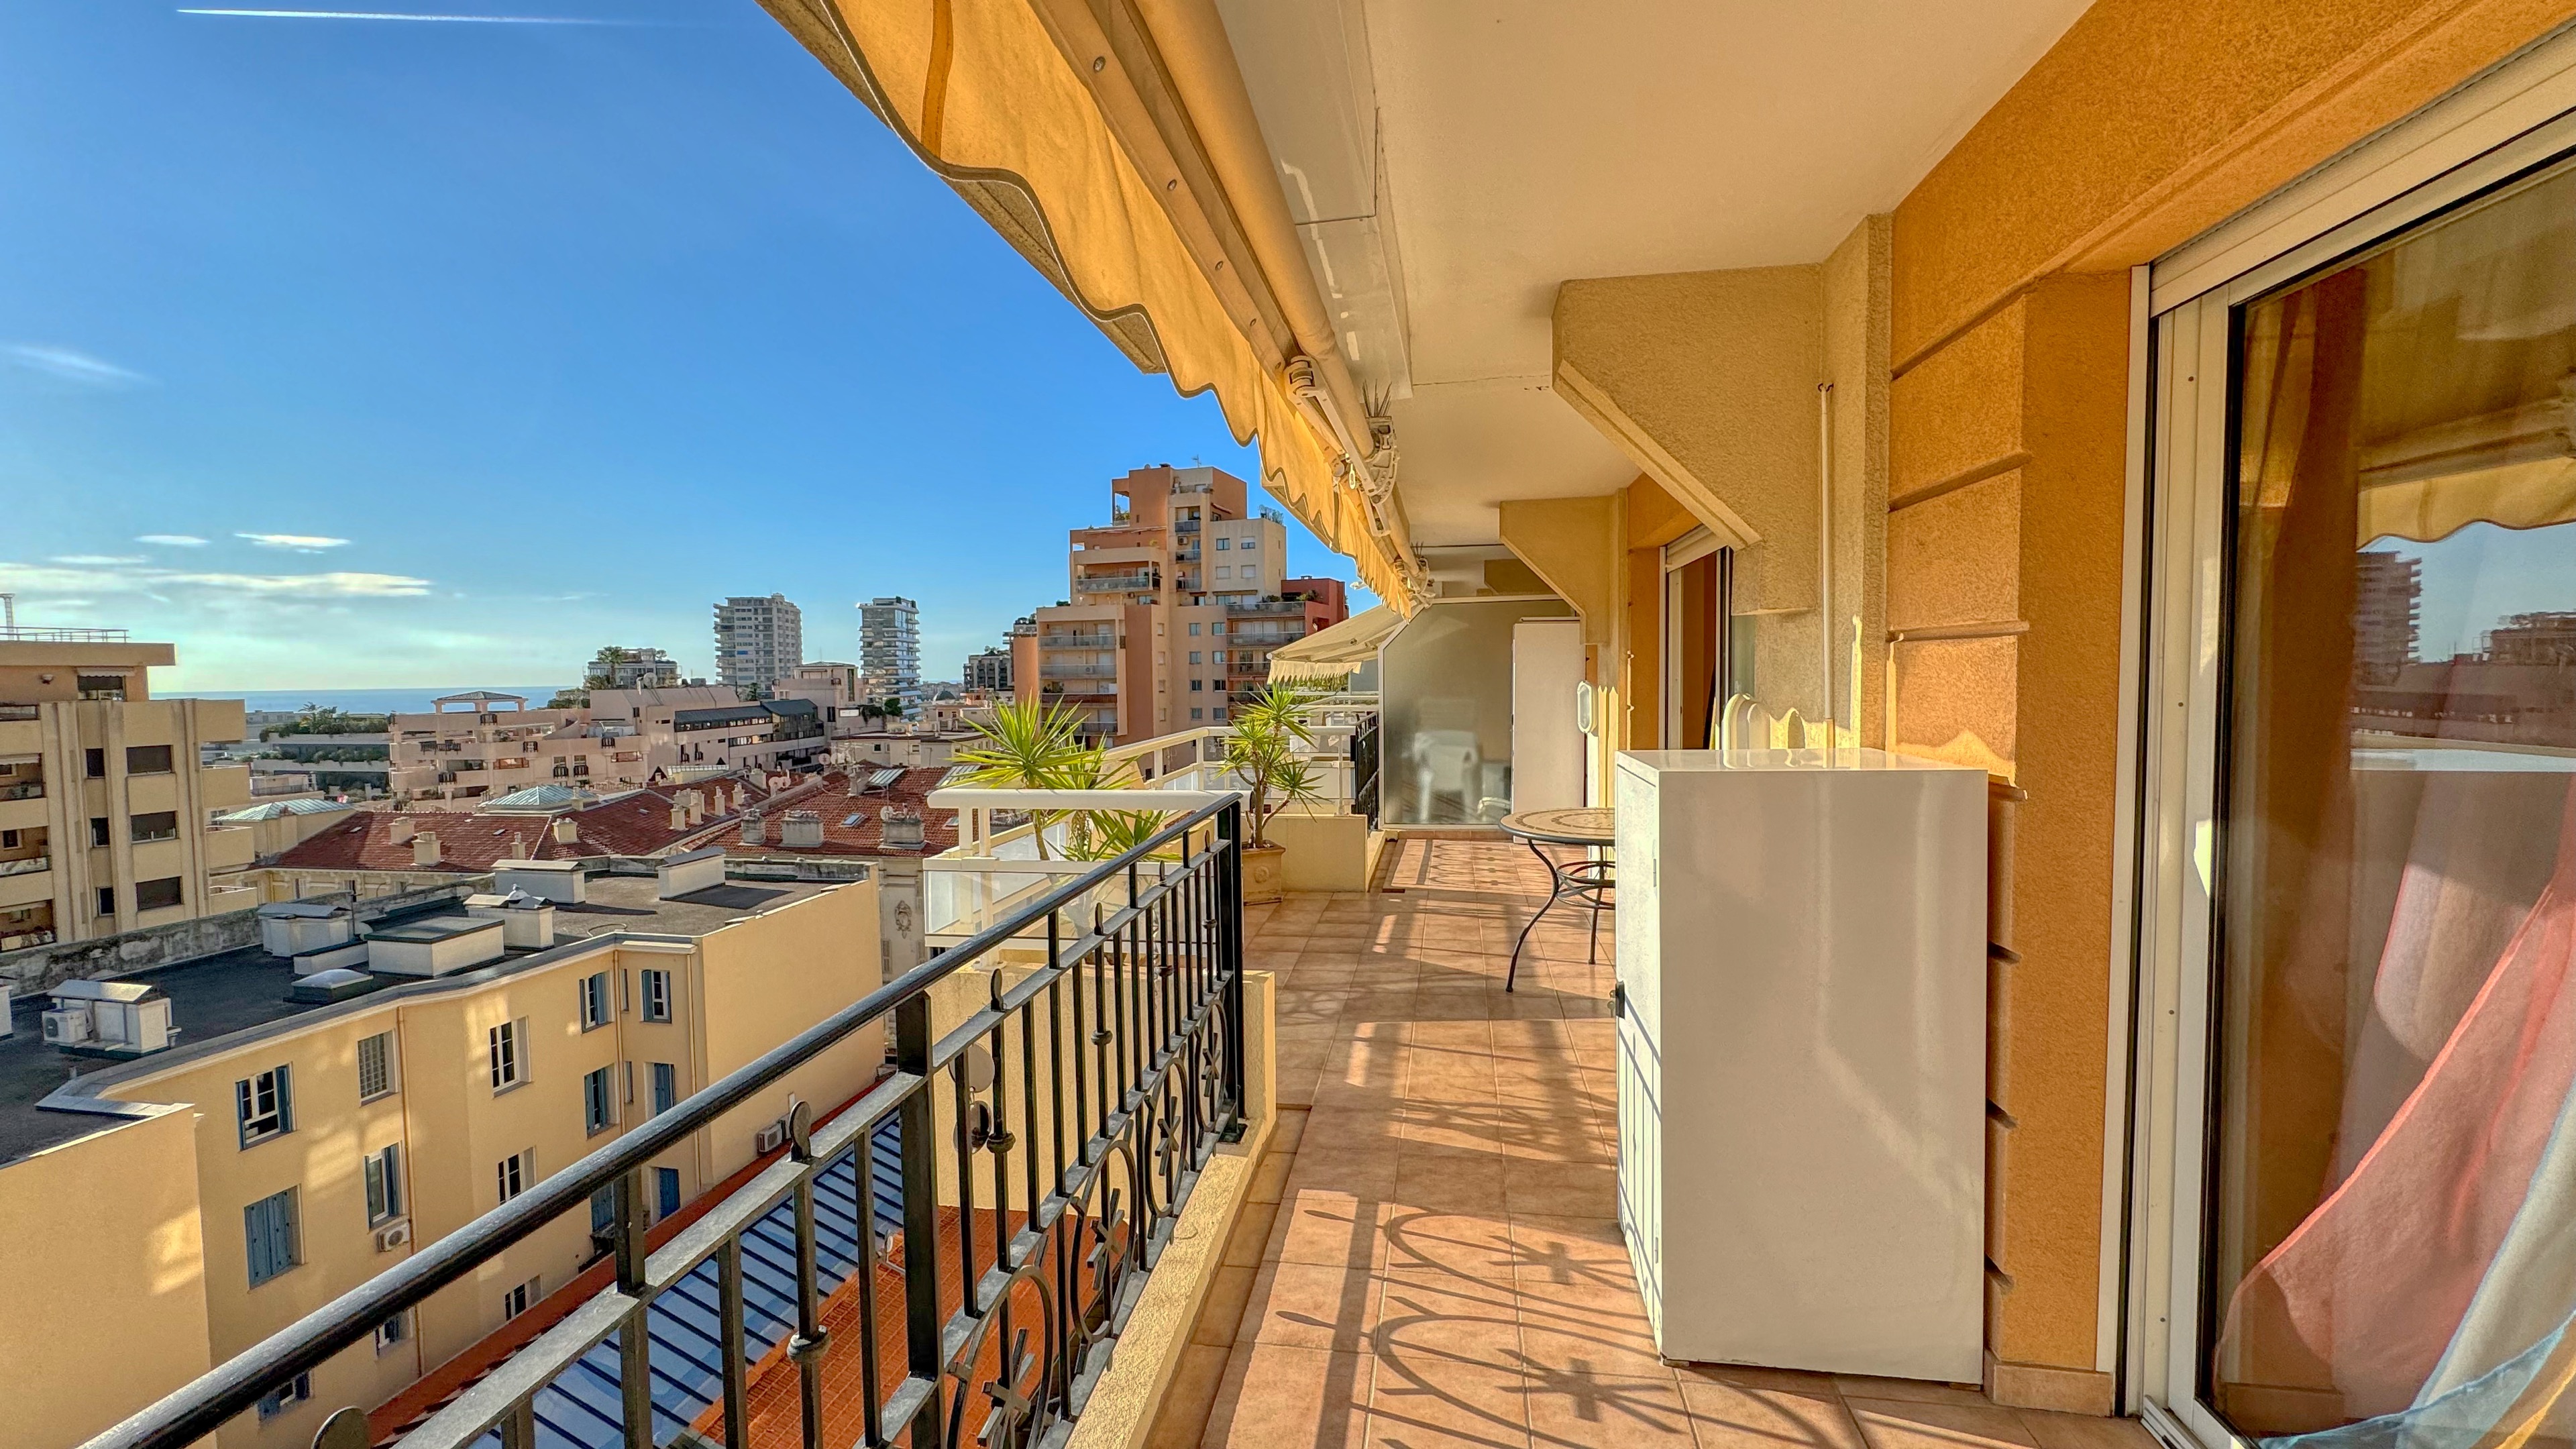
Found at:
[1034, 746]
[1265, 752]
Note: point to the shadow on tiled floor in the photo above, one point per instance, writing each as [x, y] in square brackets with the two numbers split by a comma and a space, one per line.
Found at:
[1431, 1258]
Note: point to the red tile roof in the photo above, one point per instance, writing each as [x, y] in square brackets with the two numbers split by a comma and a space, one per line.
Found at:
[852, 824]
[636, 823]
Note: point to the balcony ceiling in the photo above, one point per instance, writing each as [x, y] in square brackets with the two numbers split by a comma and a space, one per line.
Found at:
[1449, 164]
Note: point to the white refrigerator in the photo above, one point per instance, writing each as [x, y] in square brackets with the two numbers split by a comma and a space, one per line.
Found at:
[1802, 1058]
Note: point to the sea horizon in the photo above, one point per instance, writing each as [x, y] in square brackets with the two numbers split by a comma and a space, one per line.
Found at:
[399, 700]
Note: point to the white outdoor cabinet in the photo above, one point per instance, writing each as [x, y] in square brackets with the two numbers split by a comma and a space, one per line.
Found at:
[1802, 1057]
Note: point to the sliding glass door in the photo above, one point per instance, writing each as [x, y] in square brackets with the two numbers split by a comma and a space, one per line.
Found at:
[2360, 932]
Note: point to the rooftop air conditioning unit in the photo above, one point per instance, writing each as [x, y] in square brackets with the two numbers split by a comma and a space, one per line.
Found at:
[66, 1025]
[393, 1235]
[772, 1137]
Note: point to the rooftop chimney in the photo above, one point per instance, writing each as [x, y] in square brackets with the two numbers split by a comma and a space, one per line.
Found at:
[695, 804]
[751, 828]
[402, 829]
[801, 828]
[679, 818]
[902, 828]
[567, 830]
[424, 849]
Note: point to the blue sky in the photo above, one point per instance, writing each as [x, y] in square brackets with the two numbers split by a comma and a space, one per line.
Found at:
[459, 350]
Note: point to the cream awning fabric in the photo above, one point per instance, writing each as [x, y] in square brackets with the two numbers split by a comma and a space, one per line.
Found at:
[2519, 495]
[1329, 656]
[982, 92]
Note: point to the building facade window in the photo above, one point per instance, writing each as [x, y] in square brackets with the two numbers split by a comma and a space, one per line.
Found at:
[509, 1067]
[598, 1102]
[264, 1105]
[160, 894]
[109, 687]
[147, 759]
[666, 1087]
[515, 1172]
[286, 1396]
[516, 1298]
[657, 995]
[107, 900]
[393, 1332]
[269, 1236]
[99, 838]
[594, 1001]
[666, 1191]
[157, 825]
[94, 764]
[375, 1066]
[384, 1184]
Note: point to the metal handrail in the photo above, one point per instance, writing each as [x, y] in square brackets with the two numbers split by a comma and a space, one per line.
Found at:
[1163, 976]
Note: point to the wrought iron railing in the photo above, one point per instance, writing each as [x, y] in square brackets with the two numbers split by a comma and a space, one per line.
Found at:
[1082, 1100]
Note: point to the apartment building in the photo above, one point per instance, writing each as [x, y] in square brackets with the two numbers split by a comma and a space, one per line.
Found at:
[482, 745]
[758, 641]
[639, 668]
[319, 1123]
[890, 650]
[105, 807]
[712, 728]
[1147, 642]
[989, 670]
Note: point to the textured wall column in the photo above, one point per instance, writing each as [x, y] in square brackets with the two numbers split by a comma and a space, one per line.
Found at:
[2003, 586]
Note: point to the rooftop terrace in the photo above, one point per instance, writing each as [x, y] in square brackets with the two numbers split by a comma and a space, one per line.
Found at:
[215, 997]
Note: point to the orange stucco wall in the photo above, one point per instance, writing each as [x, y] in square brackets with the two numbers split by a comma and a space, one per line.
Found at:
[2148, 122]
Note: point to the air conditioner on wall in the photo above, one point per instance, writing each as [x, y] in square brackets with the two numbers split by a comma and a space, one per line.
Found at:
[772, 1137]
[65, 1025]
[393, 1235]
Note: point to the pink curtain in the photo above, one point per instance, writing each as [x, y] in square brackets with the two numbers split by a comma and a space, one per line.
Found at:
[2377, 1279]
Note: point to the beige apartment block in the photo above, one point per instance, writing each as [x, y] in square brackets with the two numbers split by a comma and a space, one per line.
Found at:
[104, 810]
[1158, 599]
[246, 1177]
[478, 746]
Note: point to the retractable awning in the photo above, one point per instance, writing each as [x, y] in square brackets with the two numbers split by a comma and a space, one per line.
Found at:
[1127, 194]
[1329, 656]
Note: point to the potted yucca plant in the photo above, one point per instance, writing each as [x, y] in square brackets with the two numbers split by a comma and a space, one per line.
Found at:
[1035, 746]
[1263, 753]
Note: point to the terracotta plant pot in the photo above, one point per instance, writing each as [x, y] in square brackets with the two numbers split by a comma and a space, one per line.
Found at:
[1262, 866]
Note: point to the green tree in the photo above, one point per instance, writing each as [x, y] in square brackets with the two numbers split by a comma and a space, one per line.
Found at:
[1033, 746]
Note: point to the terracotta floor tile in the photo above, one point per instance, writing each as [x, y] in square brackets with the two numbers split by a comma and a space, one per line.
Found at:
[1473, 1245]
[1243, 1246]
[2084, 1431]
[1751, 1376]
[1588, 1411]
[1913, 1391]
[1906, 1424]
[1367, 1173]
[1442, 1314]
[1449, 1180]
[1270, 1178]
[1749, 1416]
[1275, 1396]
[1311, 1305]
[1428, 1400]
[1182, 1416]
[1552, 1343]
[1223, 1310]
[1561, 1189]
[1322, 1226]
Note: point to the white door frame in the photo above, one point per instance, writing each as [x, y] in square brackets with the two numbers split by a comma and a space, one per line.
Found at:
[2518, 115]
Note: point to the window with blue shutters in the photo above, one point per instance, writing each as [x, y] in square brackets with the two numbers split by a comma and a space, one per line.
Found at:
[666, 1087]
[594, 1001]
[264, 1106]
[666, 1190]
[657, 995]
[597, 1105]
[268, 1233]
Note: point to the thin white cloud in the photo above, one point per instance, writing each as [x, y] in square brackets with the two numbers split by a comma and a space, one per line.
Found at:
[400, 15]
[65, 364]
[298, 542]
[41, 580]
[100, 560]
[171, 540]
